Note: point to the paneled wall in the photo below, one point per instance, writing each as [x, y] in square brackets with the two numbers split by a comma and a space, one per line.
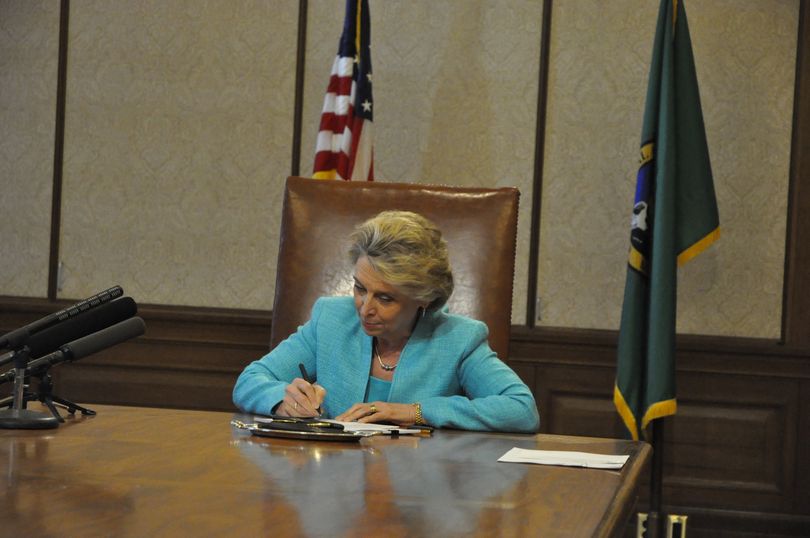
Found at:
[179, 134]
[745, 56]
[28, 58]
[455, 96]
[178, 137]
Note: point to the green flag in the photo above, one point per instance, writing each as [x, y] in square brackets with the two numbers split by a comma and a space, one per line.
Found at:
[674, 219]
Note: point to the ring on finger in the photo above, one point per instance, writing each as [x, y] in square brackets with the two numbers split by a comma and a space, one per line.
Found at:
[373, 409]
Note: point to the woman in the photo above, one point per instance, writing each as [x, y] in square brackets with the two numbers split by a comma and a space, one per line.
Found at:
[391, 353]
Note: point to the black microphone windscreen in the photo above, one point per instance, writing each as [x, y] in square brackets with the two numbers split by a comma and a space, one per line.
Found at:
[118, 333]
[19, 337]
[86, 323]
[82, 306]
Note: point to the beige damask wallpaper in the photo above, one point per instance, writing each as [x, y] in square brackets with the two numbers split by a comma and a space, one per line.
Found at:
[29, 43]
[179, 136]
[455, 95]
[745, 58]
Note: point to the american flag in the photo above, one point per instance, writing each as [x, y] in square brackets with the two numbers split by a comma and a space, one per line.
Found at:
[344, 149]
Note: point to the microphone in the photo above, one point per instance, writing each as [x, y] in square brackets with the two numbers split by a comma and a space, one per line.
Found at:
[20, 336]
[78, 349]
[87, 322]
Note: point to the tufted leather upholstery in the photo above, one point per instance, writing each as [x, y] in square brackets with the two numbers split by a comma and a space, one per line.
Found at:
[479, 225]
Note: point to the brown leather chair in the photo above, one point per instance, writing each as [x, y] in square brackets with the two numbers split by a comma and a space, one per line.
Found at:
[479, 224]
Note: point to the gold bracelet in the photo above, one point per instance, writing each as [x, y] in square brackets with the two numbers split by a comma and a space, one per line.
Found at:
[418, 420]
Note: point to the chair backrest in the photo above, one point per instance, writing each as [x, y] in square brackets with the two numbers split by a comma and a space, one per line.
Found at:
[479, 225]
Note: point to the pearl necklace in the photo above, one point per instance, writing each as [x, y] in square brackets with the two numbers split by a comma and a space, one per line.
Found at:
[386, 367]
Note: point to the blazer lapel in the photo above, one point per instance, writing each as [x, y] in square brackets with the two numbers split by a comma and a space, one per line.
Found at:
[358, 361]
[412, 361]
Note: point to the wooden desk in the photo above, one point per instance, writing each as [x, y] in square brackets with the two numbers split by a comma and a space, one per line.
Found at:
[158, 472]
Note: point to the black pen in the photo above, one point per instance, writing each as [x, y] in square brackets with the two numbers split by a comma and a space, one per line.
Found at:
[304, 374]
[422, 427]
[306, 378]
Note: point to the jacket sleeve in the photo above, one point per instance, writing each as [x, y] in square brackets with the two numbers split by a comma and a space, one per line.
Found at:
[494, 399]
[261, 385]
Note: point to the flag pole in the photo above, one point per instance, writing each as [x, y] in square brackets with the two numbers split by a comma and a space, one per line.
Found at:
[674, 219]
[655, 519]
[298, 107]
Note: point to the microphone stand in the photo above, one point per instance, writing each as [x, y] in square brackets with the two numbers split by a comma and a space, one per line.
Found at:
[18, 417]
[45, 395]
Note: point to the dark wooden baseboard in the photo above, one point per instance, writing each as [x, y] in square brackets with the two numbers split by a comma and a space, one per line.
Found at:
[736, 456]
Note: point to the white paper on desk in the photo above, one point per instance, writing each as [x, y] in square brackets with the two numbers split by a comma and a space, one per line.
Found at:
[369, 427]
[562, 457]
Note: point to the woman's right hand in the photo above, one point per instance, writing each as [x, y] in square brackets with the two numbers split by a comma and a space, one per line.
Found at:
[302, 399]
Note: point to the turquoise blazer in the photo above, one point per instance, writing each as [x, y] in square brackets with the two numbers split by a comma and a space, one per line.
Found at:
[447, 366]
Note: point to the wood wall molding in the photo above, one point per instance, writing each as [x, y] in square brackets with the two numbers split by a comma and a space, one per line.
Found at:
[706, 354]
[735, 454]
[796, 298]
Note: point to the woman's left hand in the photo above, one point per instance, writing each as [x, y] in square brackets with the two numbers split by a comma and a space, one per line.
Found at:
[395, 413]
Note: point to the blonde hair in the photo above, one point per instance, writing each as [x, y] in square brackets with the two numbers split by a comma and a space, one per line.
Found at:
[408, 252]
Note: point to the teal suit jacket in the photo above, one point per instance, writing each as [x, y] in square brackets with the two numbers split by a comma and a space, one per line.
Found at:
[447, 366]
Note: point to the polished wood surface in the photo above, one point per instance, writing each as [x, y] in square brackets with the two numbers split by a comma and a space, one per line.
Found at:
[157, 472]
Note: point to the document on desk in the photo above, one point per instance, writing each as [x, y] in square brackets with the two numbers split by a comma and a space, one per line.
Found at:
[563, 457]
